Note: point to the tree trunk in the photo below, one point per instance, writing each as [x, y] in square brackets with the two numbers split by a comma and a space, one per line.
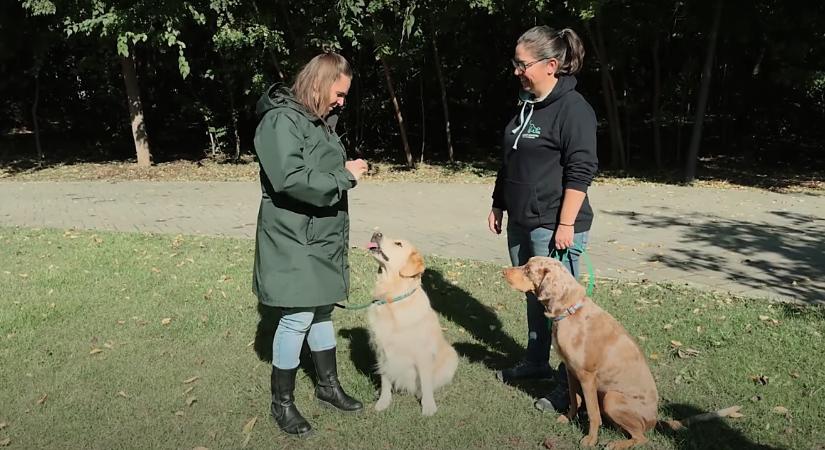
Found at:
[617, 156]
[702, 100]
[398, 117]
[423, 116]
[444, 104]
[272, 54]
[35, 122]
[657, 114]
[141, 138]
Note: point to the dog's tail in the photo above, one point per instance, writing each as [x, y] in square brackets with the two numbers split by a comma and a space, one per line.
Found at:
[732, 411]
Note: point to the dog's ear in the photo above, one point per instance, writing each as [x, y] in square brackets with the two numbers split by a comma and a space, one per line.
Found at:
[518, 280]
[414, 265]
[558, 287]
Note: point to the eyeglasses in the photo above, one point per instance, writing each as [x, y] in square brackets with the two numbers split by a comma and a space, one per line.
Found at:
[522, 67]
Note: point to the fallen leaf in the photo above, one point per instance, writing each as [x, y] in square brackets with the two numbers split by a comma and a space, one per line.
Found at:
[166, 321]
[95, 351]
[760, 379]
[250, 425]
[42, 399]
[735, 415]
[121, 322]
[188, 390]
[3, 425]
[794, 374]
[756, 398]
[668, 326]
[191, 380]
[780, 410]
[246, 440]
[687, 352]
[179, 413]
[108, 345]
[764, 318]
[122, 394]
[5, 442]
[548, 444]
[191, 400]
[675, 344]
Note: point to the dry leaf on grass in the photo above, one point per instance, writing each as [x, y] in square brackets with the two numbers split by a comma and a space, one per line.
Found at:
[735, 415]
[3, 425]
[675, 344]
[760, 380]
[686, 352]
[780, 410]
[191, 400]
[250, 424]
[95, 351]
[42, 399]
[123, 394]
[166, 321]
[191, 380]
[548, 443]
[188, 390]
[5, 442]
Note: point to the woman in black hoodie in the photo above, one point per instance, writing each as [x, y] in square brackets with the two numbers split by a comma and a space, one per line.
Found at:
[549, 161]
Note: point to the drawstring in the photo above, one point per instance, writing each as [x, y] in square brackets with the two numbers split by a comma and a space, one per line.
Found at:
[522, 121]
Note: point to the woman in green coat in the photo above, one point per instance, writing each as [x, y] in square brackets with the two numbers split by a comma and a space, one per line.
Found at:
[302, 234]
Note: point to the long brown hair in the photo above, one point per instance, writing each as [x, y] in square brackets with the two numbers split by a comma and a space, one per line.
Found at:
[315, 80]
[564, 45]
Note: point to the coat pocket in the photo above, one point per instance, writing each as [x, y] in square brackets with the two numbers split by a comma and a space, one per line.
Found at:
[522, 204]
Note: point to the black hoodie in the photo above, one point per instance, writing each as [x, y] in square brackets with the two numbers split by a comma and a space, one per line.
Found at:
[549, 146]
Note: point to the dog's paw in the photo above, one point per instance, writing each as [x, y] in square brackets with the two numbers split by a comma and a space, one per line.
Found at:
[589, 441]
[382, 404]
[563, 419]
[428, 408]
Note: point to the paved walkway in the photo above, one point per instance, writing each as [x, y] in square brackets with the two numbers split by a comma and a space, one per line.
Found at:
[744, 241]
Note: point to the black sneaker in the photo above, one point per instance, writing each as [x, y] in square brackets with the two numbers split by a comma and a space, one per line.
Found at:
[525, 370]
[556, 401]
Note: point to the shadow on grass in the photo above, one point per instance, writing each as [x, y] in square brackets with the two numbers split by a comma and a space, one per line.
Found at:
[782, 253]
[361, 353]
[494, 348]
[715, 434]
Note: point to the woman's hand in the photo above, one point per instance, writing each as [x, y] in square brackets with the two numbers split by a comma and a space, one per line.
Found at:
[563, 236]
[357, 167]
[494, 220]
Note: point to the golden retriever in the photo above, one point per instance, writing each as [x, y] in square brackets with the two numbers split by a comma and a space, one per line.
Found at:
[604, 364]
[411, 351]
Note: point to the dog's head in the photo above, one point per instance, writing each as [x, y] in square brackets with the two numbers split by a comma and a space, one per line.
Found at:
[546, 277]
[396, 256]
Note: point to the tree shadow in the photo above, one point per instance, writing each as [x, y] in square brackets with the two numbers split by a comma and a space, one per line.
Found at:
[495, 348]
[788, 257]
[715, 434]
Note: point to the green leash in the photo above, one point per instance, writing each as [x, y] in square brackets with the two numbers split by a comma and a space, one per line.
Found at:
[377, 301]
[591, 278]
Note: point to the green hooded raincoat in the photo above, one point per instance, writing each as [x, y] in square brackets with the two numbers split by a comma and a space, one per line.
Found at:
[303, 223]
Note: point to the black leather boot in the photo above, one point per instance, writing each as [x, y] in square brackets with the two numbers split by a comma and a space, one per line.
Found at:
[328, 390]
[283, 408]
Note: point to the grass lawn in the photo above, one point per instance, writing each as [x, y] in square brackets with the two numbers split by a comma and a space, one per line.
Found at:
[136, 341]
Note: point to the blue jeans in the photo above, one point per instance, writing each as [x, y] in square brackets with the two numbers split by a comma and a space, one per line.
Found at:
[297, 323]
[525, 243]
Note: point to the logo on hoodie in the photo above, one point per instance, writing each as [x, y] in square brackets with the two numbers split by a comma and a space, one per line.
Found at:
[532, 131]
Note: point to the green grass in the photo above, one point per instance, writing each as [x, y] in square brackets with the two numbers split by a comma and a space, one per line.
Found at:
[66, 294]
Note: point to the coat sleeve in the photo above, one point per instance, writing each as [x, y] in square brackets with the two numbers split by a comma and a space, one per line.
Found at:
[279, 145]
[578, 139]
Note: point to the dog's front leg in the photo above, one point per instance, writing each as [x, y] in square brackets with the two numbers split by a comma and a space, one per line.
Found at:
[591, 401]
[386, 394]
[425, 377]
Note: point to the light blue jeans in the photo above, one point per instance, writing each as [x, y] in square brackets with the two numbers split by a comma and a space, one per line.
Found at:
[314, 324]
[525, 243]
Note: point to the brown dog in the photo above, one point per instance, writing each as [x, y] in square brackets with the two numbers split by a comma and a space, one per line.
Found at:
[604, 364]
[412, 353]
